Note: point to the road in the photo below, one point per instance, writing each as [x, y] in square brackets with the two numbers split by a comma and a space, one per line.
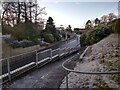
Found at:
[49, 76]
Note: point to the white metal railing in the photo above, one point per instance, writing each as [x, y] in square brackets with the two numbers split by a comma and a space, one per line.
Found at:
[19, 55]
[12, 65]
[55, 53]
[82, 55]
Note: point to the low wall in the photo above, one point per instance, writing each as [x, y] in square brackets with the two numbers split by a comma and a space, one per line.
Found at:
[8, 51]
[24, 50]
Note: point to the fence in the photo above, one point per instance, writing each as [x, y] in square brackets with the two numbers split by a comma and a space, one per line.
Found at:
[81, 72]
[16, 65]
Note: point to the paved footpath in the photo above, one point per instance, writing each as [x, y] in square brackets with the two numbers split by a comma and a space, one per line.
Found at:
[49, 76]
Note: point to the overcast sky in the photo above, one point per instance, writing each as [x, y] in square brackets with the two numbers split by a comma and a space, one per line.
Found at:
[77, 13]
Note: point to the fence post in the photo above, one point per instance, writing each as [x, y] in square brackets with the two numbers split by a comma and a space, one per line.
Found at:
[51, 54]
[79, 50]
[8, 66]
[70, 50]
[59, 52]
[67, 80]
[37, 59]
[65, 50]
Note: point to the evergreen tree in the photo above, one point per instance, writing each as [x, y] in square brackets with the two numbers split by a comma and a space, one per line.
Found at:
[97, 21]
[69, 29]
[50, 28]
[88, 25]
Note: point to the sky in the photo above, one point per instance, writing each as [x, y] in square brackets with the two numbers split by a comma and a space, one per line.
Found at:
[76, 14]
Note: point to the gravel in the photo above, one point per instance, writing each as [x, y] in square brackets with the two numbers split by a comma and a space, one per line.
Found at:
[105, 49]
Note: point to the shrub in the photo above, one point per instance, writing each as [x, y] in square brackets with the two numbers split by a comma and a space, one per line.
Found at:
[21, 31]
[25, 31]
[82, 39]
[6, 29]
[48, 37]
[94, 36]
[116, 26]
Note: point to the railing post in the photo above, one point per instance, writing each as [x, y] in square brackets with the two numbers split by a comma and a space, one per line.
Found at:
[67, 80]
[65, 50]
[70, 50]
[78, 48]
[51, 54]
[8, 66]
[59, 52]
[37, 59]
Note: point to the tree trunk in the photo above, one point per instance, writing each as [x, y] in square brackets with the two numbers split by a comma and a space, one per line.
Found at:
[26, 18]
[36, 11]
[30, 12]
[19, 12]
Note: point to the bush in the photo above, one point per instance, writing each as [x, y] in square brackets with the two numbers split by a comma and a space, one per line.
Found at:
[48, 37]
[21, 31]
[16, 44]
[6, 29]
[94, 36]
[116, 26]
[82, 39]
[25, 31]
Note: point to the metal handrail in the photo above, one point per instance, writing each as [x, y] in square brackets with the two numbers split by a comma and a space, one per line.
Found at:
[83, 72]
[44, 51]
[70, 70]
[55, 49]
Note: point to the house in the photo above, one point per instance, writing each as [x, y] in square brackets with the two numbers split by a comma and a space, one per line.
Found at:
[39, 26]
[61, 29]
[79, 30]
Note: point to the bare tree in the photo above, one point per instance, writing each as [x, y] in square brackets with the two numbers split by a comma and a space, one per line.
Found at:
[16, 12]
